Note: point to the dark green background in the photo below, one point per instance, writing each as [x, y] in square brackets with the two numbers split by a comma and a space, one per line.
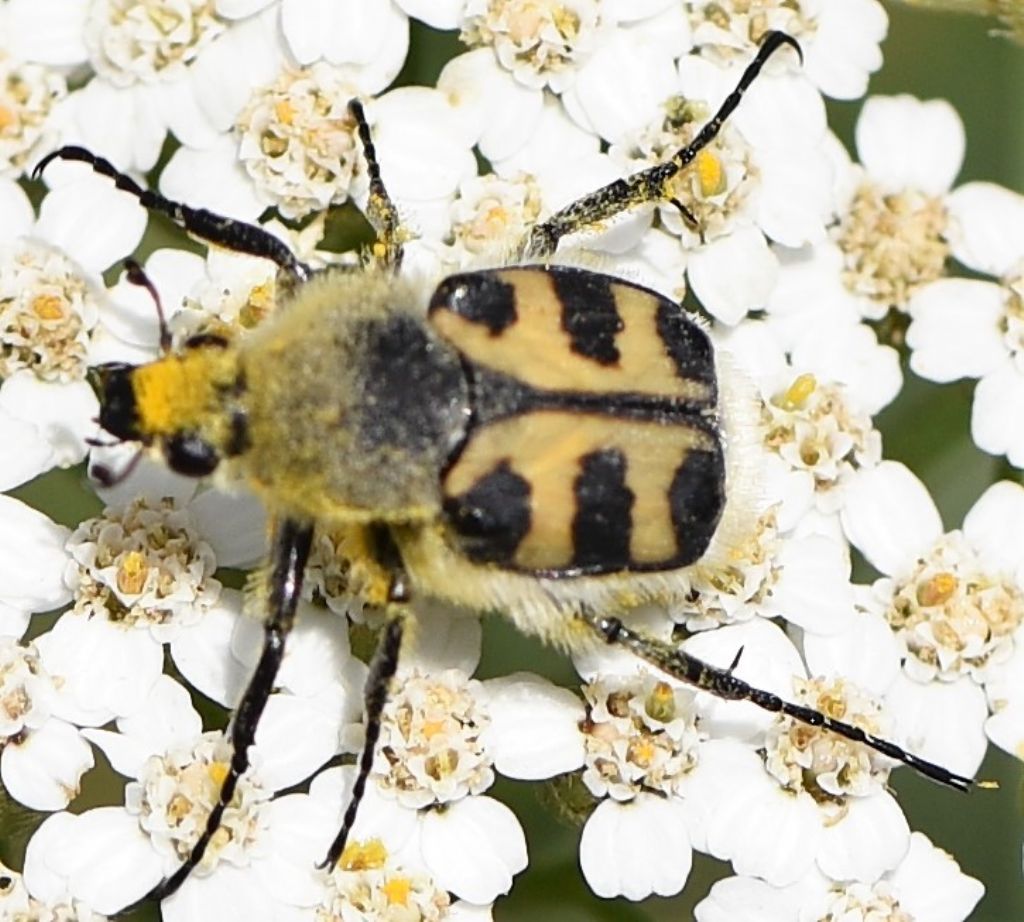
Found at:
[928, 55]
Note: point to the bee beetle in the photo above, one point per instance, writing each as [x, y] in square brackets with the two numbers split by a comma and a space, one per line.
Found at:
[537, 439]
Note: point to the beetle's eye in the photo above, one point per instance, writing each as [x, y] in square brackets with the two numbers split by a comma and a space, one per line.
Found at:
[112, 384]
[190, 455]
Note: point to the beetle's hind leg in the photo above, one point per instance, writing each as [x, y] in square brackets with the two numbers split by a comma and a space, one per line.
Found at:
[723, 683]
[650, 185]
[380, 209]
[375, 695]
[378, 681]
[290, 551]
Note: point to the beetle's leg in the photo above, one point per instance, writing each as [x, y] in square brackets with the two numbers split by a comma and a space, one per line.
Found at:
[724, 684]
[375, 696]
[384, 560]
[290, 551]
[239, 236]
[380, 209]
[650, 185]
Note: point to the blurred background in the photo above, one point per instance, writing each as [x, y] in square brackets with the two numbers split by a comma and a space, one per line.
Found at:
[928, 55]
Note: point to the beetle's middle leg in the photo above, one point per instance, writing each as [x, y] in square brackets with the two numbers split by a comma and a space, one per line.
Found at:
[650, 185]
[380, 209]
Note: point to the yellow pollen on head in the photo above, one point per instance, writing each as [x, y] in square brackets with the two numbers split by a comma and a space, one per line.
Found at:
[48, 307]
[798, 392]
[938, 590]
[181, 392]
[363, 856]
[396, 891]
[131, 575]
[710, 173]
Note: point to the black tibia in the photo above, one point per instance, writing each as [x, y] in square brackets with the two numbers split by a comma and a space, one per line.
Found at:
[375, 696]
[288, 558]
[650, 185]
[380, 209]
[724, 684]
[238, 236]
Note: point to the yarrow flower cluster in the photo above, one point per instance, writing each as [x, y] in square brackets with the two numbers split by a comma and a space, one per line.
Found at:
[821, 277]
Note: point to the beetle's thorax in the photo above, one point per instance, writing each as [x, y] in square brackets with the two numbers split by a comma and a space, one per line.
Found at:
[353, 405]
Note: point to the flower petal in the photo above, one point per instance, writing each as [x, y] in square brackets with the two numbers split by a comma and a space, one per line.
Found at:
[908, 144]
[534, 730]
[635, 849]
[474, 848]
[890, 517]
[43, 771]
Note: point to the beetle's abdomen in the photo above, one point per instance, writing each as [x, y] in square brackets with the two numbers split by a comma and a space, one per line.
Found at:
[594, 444]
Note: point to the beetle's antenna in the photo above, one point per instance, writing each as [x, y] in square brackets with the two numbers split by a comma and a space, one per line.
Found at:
[137, 276]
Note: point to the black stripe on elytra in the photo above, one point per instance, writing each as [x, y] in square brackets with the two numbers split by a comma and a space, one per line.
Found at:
[687, 345]
[696, 500]
[493, 516]
[480, 297]
[603, 522]
[589, 313]
[495, 396]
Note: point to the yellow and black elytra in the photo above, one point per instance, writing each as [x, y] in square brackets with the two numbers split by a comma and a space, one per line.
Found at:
[594, 443]
[540, 440]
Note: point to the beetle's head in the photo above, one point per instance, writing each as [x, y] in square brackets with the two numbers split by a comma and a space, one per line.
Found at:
[181, 403]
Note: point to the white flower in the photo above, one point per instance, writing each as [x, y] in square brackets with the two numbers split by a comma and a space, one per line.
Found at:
[32, 561]
[893, 220]
[642, 742]
[540, 44]
[52, 306]
[789, 796]
[289, 141]
[757, 181]
[142, 575]
[42, 757]
[16, 903]
[110, 857]
[927, 884]
[803, 578]
[839, 38]
[955, 602]
[142, 55]
[29, 94]
[816, 427]
[362, 36]
[377, 875]
[970, 328]
[499, 92]
[443, 734]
